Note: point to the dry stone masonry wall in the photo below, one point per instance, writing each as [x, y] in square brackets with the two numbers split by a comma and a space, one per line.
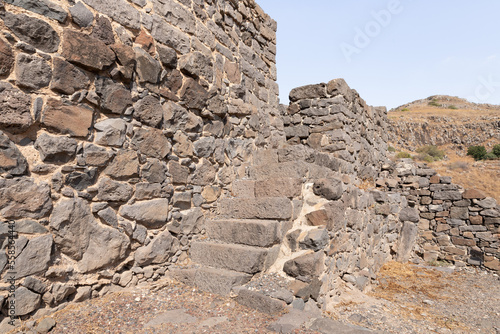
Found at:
[145, 138]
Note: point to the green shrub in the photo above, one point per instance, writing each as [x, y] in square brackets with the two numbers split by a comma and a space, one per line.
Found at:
[453, 107]
[434, 103]
[403, 155]
[430, 153]
[477, 152]
[391, 149]
[490, 156]
[405, 109]
[496, 150]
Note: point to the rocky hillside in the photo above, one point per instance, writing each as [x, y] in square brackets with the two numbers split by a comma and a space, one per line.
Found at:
[444, 121]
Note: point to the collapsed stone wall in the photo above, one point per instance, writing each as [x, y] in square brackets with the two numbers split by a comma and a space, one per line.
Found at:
[448, 222]
[333, 118]
[121, 123]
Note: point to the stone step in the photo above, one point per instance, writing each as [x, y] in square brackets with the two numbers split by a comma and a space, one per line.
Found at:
[219, 281]
[291, 169]
[245, 259]
[256, 208]
[261, 233]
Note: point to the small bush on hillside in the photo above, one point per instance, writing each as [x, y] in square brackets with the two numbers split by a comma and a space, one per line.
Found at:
[490, 156]
[496, 150]
[430, 153]
[403, 155]
[434, 103]
[405, 109]
[477, 152]
[391, 149]
[453, 107]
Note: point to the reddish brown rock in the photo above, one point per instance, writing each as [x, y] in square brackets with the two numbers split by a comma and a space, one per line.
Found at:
[67, 119]
[67, 78]
[126, 59]
[476, 220]
[6, 58]
[193, 94]
[473, 194]
[86, 51]
[317, 218]
[115, 98]
[15, 115]
[151, 142]
[434, 179]
[146, 42]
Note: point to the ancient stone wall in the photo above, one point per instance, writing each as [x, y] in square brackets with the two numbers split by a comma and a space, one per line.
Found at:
[333, 118]
[122, 122]
[449, 223]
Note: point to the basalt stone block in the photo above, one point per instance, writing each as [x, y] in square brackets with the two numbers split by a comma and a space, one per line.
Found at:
[11, 159]
[56, 149]
[315, 240]
[261, 233]
[448, 195]
[163, 247]
[103, 30]
[308, 92]
[126, 59]
[168, 56]
[23, 198]
[67, 119]
[170, 36]
[15, 105]
[115, 98]
[473, 194]
[193, 95]
[409, 214]
[204, 173]
[256, 208]
[42, 7]
[86, 51]
[148, 68]
[26, 301]
[32, 72]
[81, 15]
[6, 58]
[67, 78]
[197, 65]
[152, 214]
[331, 189]
[407, 241]
[119, 10]
[179, 173]
[35, 256]
[151, 142]
[114, 191]
[154, 171]
[259, 301]
[96, 156]
[308, 265]
[149, 111]
[177, 117]
[285, 187]
[81, 180]
[111, 132]
[339, 87]
[32, 31]
[125, 165]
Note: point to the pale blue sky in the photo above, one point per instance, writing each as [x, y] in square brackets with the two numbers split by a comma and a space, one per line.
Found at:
[410, 49]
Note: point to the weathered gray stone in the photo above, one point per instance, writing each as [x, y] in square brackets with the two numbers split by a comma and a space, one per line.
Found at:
[256, 208]
[258, 301]
[45, 325]
[35, 257]
[409, 214]
[487, 203]
[197, 65]
[219, 281]
[11, 159]
[148, 68]
[459, 212]
[81, 180]
[103, 30]
[32, 72]
[193, 95]
[26, 226]
[32, 31]
[55, 148]
[60, 292]
[6, 58]
[490, 213]
[159, 250]
[86, 51]
[152, 214]
[151, 142]
[125, 165]
[308, 265]
[228, 256]
[148, 191]
[407, 241]
[42, 7]
[168, 56]
[331, 189]
[35, 285]
[108, 215]
[22, 198]
[67, 78]
[325, 325]
[149, 111]
[95, 155]
[119, 10]
[179, 173]
[204, 147]
[111, 132]
[15, 105]
[114, 191]
[115, 98]
[204, 173]
[82, 293]
[154, 171]
[26, 301]
[282, 187]
[67, 119]
[448, 195]
[177, 117]
[169, 35]
[81, 15]
[80, 237]
[308, 92]
[315, 240]
[261, 233]
[126, 59]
